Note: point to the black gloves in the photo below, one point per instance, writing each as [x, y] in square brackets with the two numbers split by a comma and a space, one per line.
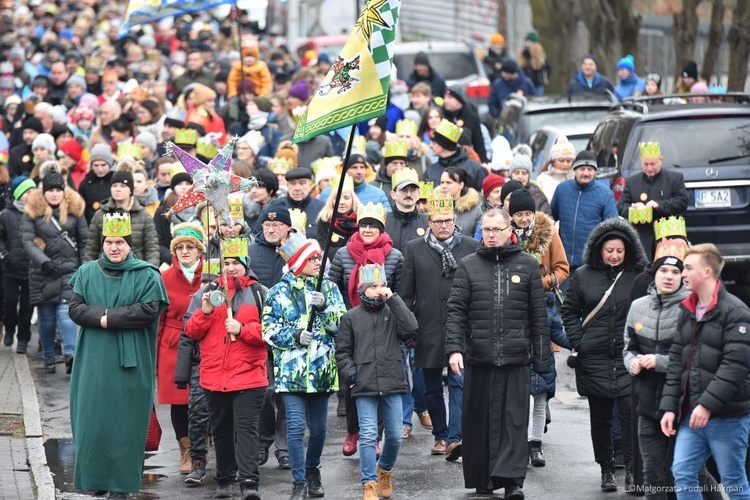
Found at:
[50, 268]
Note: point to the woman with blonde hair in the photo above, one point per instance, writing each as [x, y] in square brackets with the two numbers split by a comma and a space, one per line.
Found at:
[344, 220]
[533, 61]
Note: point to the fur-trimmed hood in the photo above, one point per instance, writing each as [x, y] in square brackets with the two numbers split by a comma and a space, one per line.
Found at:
[541, 236]
[635, 257]
[468, 201]
[72, 204]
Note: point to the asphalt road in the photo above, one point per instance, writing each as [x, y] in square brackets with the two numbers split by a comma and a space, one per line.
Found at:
[570, 472]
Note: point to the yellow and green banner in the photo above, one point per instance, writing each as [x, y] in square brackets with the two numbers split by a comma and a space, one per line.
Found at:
[356, 87]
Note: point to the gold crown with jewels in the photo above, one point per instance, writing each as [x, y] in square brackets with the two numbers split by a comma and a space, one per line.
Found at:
[670, 226]
[643, 215]
[440, 204]
[234, 247]
[116, 225]
[235, 207]
[407, 127]
[650, 149]
[372, 211]
[426, 188]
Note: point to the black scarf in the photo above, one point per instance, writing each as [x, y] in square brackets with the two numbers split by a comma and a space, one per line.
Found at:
[371, 305]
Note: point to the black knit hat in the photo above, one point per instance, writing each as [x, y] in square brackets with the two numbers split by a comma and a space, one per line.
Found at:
[276, 215]
[51, 181]
[509, 187]
[521, 201]
[690, 70]
[180, 177]
[123, 177]
[585, 159]
[33, 124]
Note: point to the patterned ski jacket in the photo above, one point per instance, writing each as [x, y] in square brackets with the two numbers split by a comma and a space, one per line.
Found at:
[299, 368]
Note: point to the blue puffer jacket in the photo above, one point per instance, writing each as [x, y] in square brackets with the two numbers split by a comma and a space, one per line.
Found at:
[365, 193]
[579, 208]
[629, 86]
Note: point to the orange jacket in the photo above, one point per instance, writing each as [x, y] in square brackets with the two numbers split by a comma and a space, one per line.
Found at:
[258, 73]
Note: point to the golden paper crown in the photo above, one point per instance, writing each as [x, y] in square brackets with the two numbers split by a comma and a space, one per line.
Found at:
[395, 150]
[212, 266]
[643, 215]
[371, 211]
[372, 273]
[407, 127]
[116, 225]
[234, 247]
[206, 149]
[327, 163]
[449, 130]
[671, 247]
[348, 184]
[360, 144]
[440, 204]
[175, 169]
[280, 166]
[670, 226]
[186, 136]
[298, 218]
[403, 175]
[426, 188]
[129, 149]
[235, 207]
[205, 213]
[650, 149]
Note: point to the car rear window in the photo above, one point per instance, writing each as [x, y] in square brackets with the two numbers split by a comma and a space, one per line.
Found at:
[451, 66]
[556, 117]
[697, 142]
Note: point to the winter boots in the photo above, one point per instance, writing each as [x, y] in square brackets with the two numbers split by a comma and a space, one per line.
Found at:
[535, 454]
[186, 465]
[608, 476]
[314, 485]
[197, 473]
[385, 482]
[249, 490]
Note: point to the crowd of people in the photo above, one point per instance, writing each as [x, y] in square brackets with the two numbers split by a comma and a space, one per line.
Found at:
[443, 253]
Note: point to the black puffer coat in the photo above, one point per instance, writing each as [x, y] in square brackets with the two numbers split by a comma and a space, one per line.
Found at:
[601, 371]
[709, 358]
[265, 261]
[368, 348]
[14, 258]
[497, 313]
[403, 227]
[94, 190]
[145, 239]
[43, 243]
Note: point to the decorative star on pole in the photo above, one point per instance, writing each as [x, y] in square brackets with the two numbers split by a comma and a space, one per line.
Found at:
[212, 182]
[370, 15]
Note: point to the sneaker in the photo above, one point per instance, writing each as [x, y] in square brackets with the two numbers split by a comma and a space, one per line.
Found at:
[284, 462]
[407, 432]
[49, 366]
[350, 444]
[453, 451]
[425, 420]
[314, 485]
[223, 490]
[299, 490]
[385, 482]
[197, 473]
[439, 448]
[22, 347]
[370, 490]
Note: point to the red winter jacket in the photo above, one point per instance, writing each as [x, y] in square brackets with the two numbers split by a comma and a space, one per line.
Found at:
[228, 366]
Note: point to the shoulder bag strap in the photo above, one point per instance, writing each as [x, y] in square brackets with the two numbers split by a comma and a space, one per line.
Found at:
[63, 234]
[601, 302]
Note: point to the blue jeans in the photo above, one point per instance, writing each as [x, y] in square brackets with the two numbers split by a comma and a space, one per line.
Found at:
[413, 400]
[449, 430]
[726, 440]
[50, 316]
[367, 408]
[299, 407]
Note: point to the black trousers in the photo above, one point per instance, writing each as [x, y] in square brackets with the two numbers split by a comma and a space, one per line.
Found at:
[656, 452]
[601, 428]
[179, 415]
[17, 307]
[235, 419]
[199, 423]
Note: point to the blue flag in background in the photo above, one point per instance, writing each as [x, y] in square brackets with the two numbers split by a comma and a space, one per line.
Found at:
[146, 11]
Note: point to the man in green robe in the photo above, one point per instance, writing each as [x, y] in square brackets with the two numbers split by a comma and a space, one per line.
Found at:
[117, 302]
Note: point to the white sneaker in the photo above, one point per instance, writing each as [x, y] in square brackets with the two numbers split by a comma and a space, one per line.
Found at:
[34, 317]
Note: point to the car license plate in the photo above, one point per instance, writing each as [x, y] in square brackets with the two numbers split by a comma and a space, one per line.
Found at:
[713, 198]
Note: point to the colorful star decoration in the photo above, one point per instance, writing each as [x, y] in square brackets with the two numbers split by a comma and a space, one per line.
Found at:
[370, 16]
[212, 182]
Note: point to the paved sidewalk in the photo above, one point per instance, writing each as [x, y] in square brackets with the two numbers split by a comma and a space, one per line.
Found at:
[21, 440]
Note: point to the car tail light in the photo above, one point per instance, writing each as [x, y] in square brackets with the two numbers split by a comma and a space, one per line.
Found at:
[618, 185]
[478, 88]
